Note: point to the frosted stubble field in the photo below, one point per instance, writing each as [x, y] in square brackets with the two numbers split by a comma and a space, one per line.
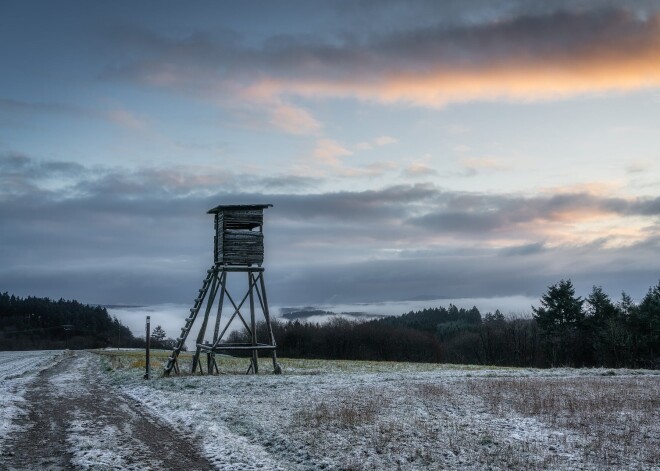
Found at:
[367, 415]
[353, 415]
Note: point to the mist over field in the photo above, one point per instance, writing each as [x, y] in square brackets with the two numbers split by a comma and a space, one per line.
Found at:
[172, 316]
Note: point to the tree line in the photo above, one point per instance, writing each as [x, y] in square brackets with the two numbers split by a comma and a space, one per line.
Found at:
[41, 323]
[598, 331]
[565, 330]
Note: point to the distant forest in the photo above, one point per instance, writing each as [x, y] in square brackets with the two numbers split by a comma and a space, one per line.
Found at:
[41, 323]
[565, 330]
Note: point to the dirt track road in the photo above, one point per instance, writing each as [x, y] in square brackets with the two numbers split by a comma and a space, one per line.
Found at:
[76, 420]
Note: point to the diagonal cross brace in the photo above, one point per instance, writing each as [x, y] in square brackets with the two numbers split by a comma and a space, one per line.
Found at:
[237, 309]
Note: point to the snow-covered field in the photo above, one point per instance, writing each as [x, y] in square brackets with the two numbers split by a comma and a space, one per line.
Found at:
[17, 369]
[336, 415]
[368, 415]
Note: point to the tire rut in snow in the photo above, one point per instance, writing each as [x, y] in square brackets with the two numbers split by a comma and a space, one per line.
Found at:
[76, 420]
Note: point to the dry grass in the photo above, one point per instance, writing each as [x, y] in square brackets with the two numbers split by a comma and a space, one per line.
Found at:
[571, 422]
[124, 359]
[346, 411]
[618, 418]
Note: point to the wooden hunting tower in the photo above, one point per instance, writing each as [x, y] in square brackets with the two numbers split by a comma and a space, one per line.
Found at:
[238, 248]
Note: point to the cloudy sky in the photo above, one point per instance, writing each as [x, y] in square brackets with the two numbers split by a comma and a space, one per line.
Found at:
[458, 149]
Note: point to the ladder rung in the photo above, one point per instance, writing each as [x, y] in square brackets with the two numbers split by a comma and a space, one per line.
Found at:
[198, 300]
[192, 309]
[189, 319]
[179, 340]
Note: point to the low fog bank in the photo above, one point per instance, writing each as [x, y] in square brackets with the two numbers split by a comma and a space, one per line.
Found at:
[171, 317]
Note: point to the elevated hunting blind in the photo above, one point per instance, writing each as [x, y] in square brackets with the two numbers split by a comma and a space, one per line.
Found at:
[238, 248]
[239, 237]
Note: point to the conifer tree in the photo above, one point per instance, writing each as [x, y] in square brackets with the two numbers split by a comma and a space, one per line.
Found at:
[561, 320]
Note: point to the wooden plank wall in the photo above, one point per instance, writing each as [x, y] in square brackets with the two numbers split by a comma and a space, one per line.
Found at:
[239, 238]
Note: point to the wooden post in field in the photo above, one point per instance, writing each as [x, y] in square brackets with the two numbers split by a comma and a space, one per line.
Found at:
[67, 328]
[148, 337]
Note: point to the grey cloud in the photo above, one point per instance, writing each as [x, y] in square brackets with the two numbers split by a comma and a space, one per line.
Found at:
[147, 183]
[26, 167]
[366, 206]
[10, 106]
[115, 240]
[469, 275]
[20, 175]
[152, 280]
[529, 36]
[21, 113]
[418, 205]
[289, 182]
[526, 249]
[647, 207]
[475, 212]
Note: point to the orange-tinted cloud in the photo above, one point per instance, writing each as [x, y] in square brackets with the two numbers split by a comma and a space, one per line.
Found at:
[515, 80]
[294, 120]
[539, 56]
[329, 152]
[523, 59]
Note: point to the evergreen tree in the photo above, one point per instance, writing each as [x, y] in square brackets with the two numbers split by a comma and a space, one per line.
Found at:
[599, 305]
[606, 328]
[561, 320]
[494, 317]
[158, 334]
[626, 306]
[645, 328]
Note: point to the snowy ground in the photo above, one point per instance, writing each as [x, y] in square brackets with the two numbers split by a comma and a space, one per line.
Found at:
[17, 371]
[96, 412]
[367, 415]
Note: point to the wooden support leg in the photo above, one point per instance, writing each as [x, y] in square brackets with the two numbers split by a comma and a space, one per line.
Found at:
[277, 369]
[253, 325]
[202, 330]
[215, 364]
[223, 284]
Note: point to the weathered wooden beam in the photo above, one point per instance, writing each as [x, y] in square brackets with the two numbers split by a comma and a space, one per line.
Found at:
[277, 369]
[223, 287]
[253, 322]
[202, 330]
[237, 347]
[236, 311]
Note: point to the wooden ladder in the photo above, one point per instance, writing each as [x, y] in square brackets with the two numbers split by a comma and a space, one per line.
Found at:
[172, 361]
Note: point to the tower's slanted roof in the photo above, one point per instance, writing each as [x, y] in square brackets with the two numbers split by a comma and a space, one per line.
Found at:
[237, 207]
